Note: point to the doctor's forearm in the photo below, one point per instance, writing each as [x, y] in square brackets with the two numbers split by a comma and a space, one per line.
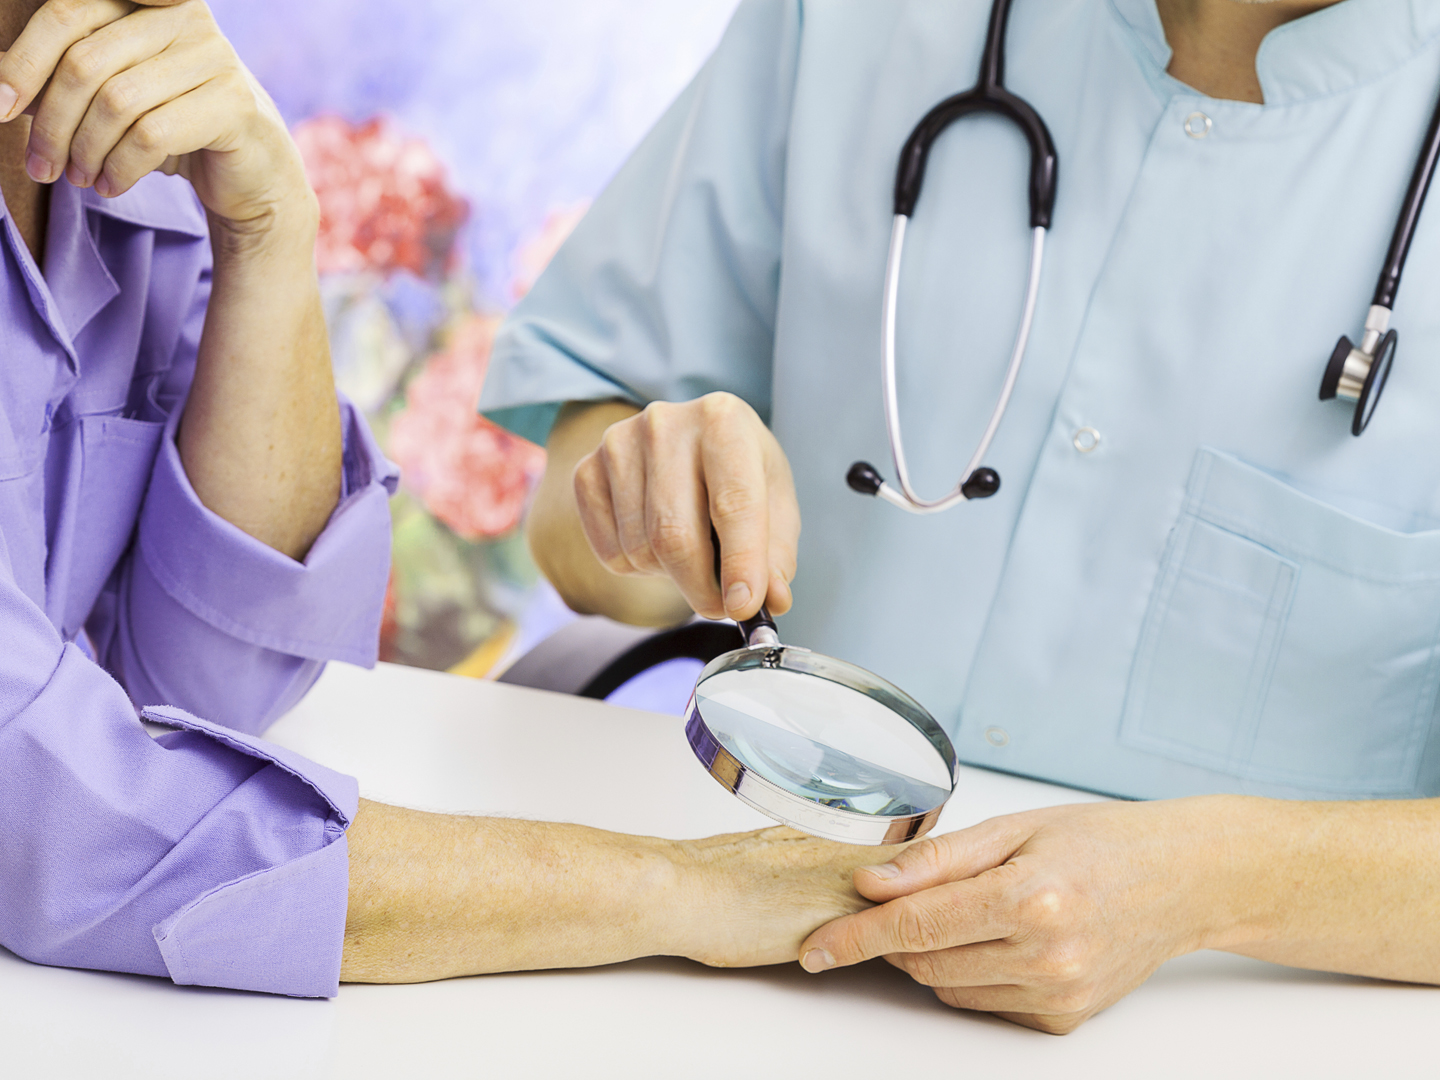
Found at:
[1345, 887]
[558, 539]
[261, 439]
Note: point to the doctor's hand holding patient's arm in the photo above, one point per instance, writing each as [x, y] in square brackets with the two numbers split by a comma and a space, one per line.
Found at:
[1048, 917]
[119, 90]
[621, 523]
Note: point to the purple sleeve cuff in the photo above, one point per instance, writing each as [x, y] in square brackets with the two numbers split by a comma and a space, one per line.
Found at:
[339, 791]
[280, 930]
[327, 608]
[204, 855]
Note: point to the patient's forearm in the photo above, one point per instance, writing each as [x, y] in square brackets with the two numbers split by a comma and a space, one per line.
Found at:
[558, 539]
[434, 896]
[261, 439]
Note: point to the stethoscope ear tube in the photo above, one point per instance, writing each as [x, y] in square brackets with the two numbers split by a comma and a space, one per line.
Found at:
[1044, 163]
[988, 95]
[978, 481]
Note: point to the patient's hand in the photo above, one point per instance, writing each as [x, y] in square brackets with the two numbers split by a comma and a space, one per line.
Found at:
[752, 898]
[121, 89]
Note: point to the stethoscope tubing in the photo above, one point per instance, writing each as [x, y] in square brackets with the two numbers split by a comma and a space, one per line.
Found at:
[907, 498]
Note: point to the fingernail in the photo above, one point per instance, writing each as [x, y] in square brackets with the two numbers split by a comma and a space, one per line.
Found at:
[816, 961]
[38, 168]
[102, 186]
[738, 596]
[888, 871]
[76, 177]
[8, 99]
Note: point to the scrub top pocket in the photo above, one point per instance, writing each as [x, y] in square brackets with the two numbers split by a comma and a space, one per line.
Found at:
[1287, 641]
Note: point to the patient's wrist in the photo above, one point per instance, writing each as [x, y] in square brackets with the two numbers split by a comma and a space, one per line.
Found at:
[286, 226]
[645, 907]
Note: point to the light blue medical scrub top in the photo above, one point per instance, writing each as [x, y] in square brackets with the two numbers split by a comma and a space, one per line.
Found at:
[1229, 593]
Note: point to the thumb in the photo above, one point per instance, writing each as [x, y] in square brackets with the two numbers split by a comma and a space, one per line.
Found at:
[941, 859]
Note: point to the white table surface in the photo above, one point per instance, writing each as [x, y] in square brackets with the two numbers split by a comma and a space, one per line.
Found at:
[444, 743]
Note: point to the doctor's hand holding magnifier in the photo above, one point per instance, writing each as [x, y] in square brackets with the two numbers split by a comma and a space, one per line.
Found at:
[639, 491]
[813, 742]
[700, 494]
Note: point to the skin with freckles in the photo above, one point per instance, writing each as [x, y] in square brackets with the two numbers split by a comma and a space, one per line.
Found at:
[1043, 918]
[433, 897]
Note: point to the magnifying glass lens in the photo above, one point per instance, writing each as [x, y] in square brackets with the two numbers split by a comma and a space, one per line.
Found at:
[823, 741]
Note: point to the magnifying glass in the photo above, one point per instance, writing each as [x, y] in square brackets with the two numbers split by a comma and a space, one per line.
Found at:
[818, 744]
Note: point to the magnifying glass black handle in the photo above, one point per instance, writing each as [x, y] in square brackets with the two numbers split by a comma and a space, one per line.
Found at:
[761, 620]
[761, 629]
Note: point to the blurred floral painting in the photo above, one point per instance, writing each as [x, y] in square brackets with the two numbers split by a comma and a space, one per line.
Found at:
[453, 145]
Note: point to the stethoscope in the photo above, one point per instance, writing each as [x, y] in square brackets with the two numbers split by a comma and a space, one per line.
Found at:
[1355, 373]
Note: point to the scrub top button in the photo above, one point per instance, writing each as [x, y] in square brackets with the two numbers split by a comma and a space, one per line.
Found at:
[1086, 440]
[1198, 125]
[997, 737]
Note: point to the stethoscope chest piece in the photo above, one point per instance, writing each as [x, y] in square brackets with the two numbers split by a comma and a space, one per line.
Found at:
[1359, 375]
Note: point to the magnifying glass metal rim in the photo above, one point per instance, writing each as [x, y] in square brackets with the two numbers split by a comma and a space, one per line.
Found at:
[808, 815]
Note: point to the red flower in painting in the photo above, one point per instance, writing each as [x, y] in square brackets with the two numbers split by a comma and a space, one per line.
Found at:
[384, 201]
[469, 473]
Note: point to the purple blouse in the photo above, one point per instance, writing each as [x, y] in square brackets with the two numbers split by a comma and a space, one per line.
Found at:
[205, 855]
